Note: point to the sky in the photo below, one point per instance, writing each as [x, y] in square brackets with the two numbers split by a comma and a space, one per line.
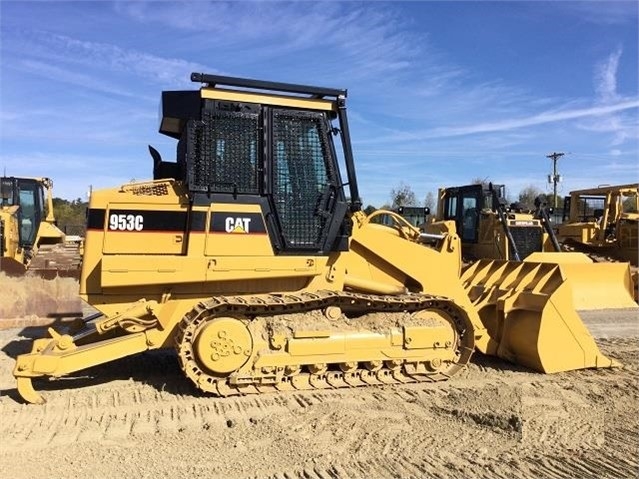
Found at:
[439, 93]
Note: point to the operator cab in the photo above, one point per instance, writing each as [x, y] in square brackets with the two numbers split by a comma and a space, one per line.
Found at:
[415, 215]
[243, 143]
[28, 195]
[464, 205]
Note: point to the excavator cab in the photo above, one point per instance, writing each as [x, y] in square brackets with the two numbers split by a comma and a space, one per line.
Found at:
[463, 205]
[291, 174]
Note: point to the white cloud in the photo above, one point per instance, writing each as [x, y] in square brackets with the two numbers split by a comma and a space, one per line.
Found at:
[320, 38]
[600, 12]
[52, 72]
[606, 78]
[621, 126]
[44, 50]
[510, 124]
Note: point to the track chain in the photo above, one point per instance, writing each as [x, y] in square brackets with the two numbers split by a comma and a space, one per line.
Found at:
[302, 379]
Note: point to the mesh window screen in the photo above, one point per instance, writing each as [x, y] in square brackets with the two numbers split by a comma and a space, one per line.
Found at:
[527, 239]
[222, 153]
[301, 175]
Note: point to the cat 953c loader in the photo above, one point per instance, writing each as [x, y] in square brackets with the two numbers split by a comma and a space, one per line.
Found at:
[251, 257]
[30, 241]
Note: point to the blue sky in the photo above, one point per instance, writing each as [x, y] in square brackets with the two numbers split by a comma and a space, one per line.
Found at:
[440, 93]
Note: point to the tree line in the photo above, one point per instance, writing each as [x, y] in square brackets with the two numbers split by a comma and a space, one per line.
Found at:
[403, 195]
[70, 215]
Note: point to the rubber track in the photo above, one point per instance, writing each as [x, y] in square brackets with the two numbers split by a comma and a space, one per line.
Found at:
[267, 305]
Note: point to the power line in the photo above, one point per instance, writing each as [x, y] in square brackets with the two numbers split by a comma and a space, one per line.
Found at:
[555, 177]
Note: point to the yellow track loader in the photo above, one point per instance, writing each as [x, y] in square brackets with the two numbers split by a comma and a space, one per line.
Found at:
[491, 229]
[251, 257]
[604, 221]
[30, 241]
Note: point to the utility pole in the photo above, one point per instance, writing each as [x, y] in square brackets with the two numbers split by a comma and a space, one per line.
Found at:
[555, 177]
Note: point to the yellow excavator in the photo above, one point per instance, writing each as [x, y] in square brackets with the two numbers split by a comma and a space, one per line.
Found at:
[250, 256]
[30, 241]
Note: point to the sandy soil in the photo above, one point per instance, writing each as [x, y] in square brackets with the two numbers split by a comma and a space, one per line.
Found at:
[139, 417]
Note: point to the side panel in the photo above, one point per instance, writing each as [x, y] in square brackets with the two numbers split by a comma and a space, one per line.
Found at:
[137, 228]
[237, 230]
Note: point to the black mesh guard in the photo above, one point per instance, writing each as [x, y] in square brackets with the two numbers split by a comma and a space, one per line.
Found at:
[528, 240]
[304, 177]
[222, 152]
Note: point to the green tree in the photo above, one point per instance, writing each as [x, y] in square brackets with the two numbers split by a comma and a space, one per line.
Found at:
[528, 195]
[70, 215]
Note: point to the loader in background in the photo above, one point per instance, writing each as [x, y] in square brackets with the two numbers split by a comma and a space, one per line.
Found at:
[30, 241]
[251, 257]
[415, 216]
[603, 221]
[489, 227]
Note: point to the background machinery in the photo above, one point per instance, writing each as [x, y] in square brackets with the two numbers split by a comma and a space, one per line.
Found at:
[603, 220]
[251, 257]
[30, 241]
[489, 228]
[415, 215]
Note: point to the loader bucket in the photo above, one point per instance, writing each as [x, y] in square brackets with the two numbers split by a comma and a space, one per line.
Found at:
[527, 309]
[594, 285]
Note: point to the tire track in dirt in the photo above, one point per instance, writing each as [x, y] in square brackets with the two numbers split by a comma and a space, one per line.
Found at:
[123, 408]
[493, 420]
[129, 407]
[508, 466]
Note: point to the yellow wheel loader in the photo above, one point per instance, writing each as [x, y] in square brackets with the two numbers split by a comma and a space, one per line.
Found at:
[251, 258]
[30, 241]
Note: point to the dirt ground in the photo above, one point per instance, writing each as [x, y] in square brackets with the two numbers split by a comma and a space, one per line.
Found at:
[140, 418]
[54, 299]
